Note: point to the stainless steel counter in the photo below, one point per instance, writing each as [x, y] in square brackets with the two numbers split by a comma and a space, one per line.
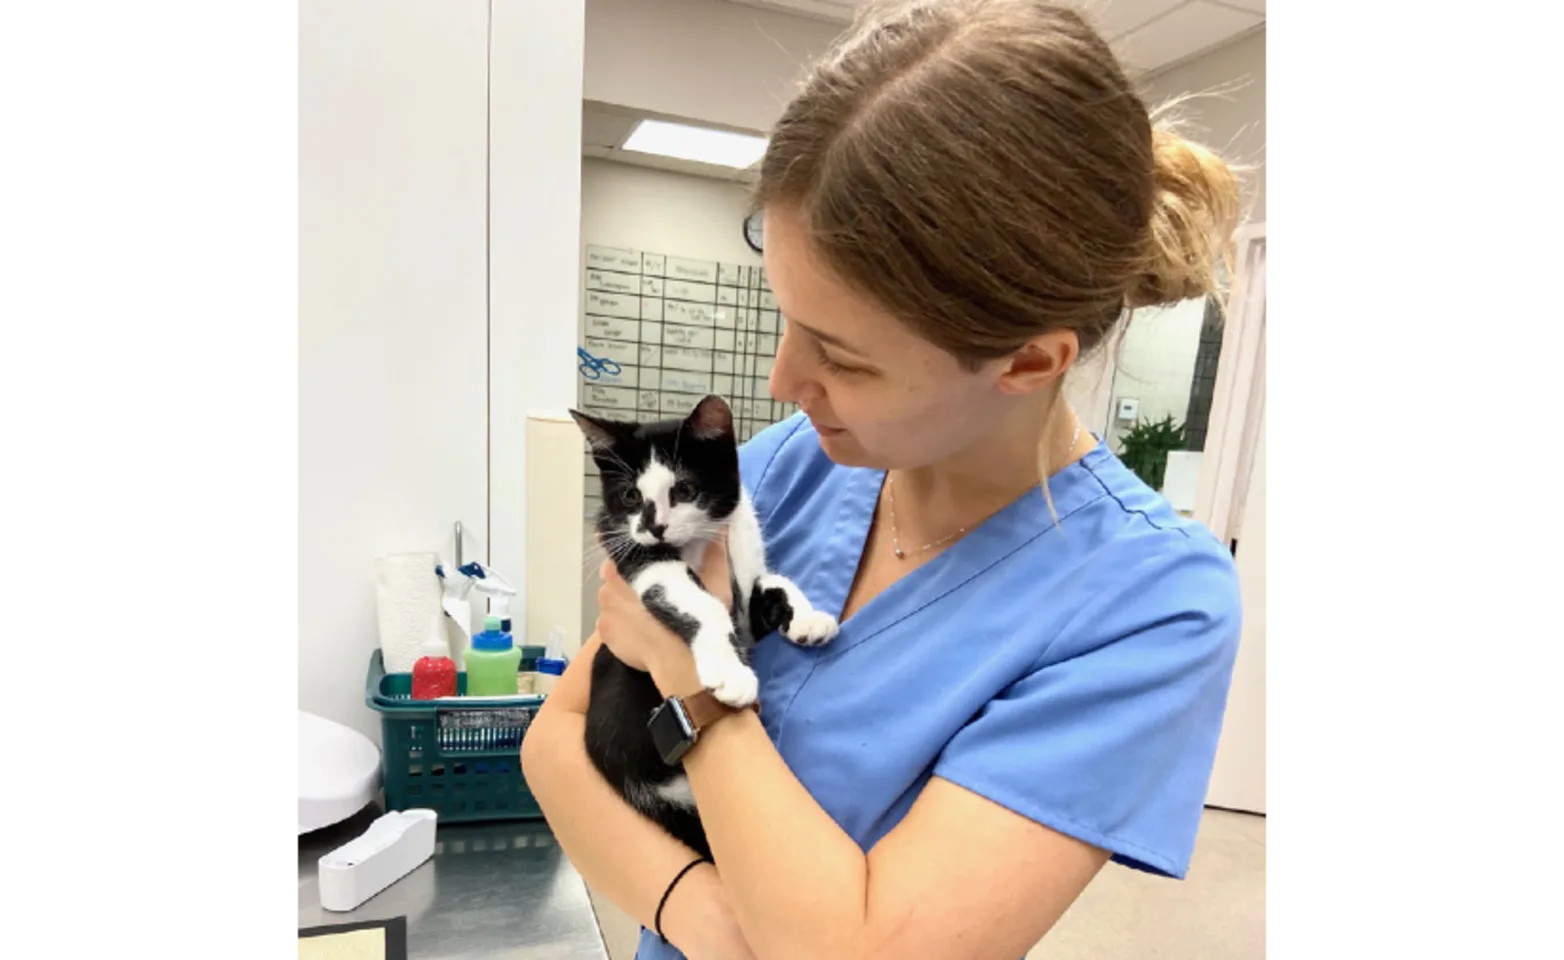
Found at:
[500, 890]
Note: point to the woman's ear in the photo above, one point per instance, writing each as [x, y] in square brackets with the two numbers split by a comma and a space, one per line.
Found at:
[1039, 362]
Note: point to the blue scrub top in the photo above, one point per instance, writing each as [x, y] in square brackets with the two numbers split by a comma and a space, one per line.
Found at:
[1075, 674]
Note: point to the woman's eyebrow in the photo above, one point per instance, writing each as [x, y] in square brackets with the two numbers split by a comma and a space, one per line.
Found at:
[823, 337]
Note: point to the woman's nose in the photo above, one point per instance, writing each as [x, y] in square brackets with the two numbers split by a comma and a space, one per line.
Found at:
[788, 381]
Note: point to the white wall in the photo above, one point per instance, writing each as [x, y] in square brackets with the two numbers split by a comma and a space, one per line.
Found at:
[675, 213]
[535, 211]
[1156, 362]
[415, 375]
[701, 59]
[1234, 122]
[391, 313]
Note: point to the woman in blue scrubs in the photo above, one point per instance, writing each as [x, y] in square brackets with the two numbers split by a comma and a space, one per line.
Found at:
[1035, 650]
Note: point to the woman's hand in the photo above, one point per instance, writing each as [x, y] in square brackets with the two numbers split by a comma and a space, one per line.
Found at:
[638, 639]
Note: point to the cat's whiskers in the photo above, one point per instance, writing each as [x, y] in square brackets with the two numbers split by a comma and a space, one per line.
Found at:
[616, 547]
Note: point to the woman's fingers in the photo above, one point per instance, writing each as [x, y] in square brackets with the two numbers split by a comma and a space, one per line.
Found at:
[715, 572]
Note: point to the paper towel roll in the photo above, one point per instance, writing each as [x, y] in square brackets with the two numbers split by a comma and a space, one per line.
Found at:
[407, 605]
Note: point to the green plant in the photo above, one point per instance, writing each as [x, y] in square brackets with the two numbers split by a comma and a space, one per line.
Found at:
[1144, 449]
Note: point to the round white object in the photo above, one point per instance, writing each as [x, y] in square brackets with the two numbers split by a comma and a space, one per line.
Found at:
[339, 772]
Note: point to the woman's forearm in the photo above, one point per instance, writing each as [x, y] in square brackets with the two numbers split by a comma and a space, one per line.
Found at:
[621, 855]
[763, 825]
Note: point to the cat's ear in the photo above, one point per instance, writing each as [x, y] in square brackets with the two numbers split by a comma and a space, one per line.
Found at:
[711, 420]
[601, 434]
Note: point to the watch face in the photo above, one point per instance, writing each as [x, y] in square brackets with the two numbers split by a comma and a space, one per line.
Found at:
[754, 231]
[672, 732]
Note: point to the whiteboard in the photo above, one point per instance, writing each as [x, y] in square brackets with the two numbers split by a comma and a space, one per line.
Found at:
[678, 329]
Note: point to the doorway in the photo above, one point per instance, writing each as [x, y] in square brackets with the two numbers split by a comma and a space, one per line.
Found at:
[1232, 503]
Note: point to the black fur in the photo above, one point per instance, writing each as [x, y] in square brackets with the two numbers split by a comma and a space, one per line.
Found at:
[621, 749]
[702, 450]
[768, 611]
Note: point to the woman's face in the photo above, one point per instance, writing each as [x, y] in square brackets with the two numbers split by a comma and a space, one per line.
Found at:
[879, 395]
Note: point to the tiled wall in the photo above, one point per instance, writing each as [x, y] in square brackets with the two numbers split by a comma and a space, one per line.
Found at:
[1204, 384]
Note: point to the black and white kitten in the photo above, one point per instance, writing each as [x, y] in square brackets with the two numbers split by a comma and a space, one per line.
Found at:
[669, 488]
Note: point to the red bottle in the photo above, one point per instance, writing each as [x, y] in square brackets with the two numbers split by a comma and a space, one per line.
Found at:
[434, 673]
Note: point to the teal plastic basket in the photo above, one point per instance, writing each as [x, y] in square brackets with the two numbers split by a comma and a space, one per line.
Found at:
[462, 760]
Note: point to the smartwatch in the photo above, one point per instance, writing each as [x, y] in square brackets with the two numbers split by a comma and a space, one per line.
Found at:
[677, 723]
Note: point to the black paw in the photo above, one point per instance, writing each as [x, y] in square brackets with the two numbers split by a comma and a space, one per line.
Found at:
[769, 612]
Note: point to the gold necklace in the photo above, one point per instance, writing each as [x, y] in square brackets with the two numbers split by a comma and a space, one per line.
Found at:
[890, 488]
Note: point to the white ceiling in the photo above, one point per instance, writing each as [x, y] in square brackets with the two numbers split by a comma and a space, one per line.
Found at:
[1148, 35]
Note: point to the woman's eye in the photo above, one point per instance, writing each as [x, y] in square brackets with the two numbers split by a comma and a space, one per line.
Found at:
[684, 490]
[832, 365]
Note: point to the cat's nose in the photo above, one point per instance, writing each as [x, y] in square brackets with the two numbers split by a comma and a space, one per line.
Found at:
[657, 529]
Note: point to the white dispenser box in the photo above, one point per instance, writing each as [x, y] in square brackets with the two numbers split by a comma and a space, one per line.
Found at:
[392, 847]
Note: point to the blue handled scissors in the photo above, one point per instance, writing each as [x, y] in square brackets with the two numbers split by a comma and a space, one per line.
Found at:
[593, 368]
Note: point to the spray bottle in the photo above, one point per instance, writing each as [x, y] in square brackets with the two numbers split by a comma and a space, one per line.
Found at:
[551, 666]
[494, 586]
[454, 588]
[434, 673]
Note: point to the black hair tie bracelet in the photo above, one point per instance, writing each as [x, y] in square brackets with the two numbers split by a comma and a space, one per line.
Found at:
[657, 922]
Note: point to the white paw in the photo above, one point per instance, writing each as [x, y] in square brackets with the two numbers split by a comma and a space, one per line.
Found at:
[728, 679]
[811, 628]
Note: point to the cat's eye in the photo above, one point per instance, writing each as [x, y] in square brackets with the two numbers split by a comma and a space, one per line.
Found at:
[684, 491]
[630, 497]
